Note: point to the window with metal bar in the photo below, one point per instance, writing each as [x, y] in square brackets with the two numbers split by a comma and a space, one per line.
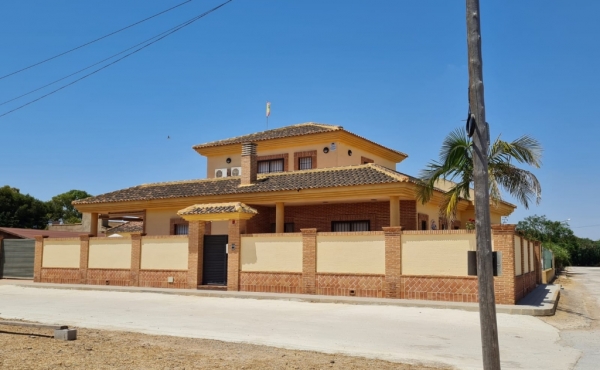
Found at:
[181, 229]
[305, 163]
[340, 226]
[273, 165]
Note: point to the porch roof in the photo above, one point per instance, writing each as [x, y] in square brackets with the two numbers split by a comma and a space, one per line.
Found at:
[367, 174]
[217, 208]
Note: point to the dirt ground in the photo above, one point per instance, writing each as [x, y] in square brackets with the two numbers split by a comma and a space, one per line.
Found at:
[27, 348]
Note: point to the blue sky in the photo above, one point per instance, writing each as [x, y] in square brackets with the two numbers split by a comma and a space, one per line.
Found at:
[393, 71]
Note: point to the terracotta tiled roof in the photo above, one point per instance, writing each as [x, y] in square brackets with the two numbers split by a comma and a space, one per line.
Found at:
[277, 133]
[300, 129]
[211, 208]
[128, 227]
[366, 174]
[32, 233]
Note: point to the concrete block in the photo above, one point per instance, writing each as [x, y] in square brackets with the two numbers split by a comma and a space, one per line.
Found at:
[65, 334]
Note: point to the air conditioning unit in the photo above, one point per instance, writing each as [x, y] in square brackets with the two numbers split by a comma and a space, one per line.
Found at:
[236, 171]
[221, 172]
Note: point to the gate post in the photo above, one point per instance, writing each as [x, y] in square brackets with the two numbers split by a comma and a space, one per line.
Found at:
[195, 253]
[236, 228]
[309, 261]
[393, 261]
[37, 264]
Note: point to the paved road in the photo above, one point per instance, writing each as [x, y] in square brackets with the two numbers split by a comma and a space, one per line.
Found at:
[431, 336]
[578, 315]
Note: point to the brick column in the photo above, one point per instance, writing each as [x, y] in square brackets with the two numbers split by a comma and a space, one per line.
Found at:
[236, 228]
[279, 217]
[84, 253]
[136, 259]
[393, 261]
[309, 260]
[37, 264]
[94, 224]
[504, 285]
[195, 253]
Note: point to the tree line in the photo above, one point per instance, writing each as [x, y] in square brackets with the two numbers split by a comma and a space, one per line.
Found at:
[24, 211]
[558, 237]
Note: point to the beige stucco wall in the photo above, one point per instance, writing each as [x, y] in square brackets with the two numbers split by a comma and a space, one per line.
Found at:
[525, 256]
[61, 253]
[158, 222]
[164, 254]
[271, 253]
[518, 270]
[219, 228]
[436, 254]
[106, 253]
[351, 254]
[532, 256]
[335, 158]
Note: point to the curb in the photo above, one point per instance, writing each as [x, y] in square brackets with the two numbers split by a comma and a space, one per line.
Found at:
[464, 306]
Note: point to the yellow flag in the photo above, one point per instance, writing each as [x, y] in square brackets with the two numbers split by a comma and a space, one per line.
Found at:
[268, 109]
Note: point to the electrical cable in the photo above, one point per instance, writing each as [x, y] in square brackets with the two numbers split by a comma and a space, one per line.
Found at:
[93, 41]
[120, 59]
[91, 65]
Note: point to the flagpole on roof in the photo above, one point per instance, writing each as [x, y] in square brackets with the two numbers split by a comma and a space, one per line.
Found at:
[268, 113]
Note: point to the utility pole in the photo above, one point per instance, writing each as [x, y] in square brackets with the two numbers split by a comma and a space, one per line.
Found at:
[481, 142]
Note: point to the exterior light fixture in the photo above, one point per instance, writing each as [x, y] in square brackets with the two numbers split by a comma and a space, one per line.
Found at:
[326, 150]
[349, 152]
[228, 160]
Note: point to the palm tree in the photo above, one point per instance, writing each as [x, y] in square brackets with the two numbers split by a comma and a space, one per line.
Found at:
[456, 164]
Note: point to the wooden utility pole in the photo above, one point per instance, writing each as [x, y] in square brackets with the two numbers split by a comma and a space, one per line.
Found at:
[481, 143]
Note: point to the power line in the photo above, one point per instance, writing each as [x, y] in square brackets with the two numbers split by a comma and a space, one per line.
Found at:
[185, 24]
[101, 61]
[93, 41]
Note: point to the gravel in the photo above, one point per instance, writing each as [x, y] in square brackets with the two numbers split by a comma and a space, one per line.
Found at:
[28, 348]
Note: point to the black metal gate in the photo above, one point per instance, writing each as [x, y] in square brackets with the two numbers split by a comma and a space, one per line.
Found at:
[214, 265]
[17, 258]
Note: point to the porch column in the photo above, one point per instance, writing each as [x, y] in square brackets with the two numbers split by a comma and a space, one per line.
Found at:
[94, 224]
[394, 211]
[84, 252]
[37, 264]
[309, 261]
[393, 261]
[236, 228]
[195, 253]
[279, 217]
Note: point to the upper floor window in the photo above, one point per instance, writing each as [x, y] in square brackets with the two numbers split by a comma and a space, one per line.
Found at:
[181, 229]
[273, 165]
[338, 226]
[305, 163]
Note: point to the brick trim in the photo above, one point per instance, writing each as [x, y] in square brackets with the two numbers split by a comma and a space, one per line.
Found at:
[284, 156]
[308, 153]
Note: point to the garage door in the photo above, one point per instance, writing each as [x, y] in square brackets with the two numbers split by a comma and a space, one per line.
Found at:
[17, 258]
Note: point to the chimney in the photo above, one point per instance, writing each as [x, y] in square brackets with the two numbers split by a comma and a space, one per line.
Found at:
[249, 164]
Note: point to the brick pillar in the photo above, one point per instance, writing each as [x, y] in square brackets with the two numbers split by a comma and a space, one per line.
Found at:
[394, 211]
[37, 264]
[393, 261]
[504, 285]
[136, 259]
[309, 260]
[236, 228]
[408, 214]
[195, 253]
[84, 252]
